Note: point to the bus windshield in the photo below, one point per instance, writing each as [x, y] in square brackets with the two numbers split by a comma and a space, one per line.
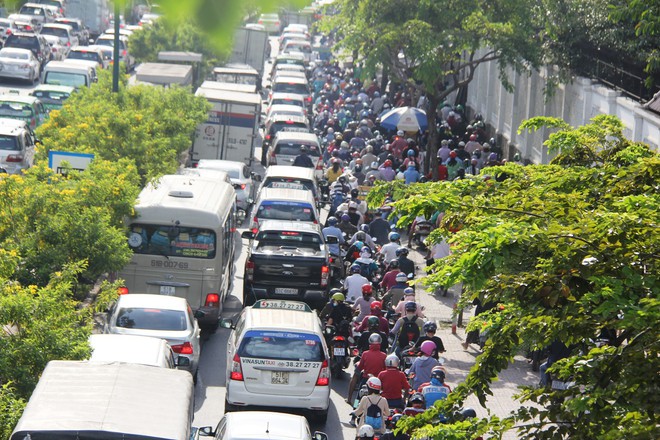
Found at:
[172, 241]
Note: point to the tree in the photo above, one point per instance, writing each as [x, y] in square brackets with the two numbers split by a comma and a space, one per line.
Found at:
[434, 48]
[570, 250]
[151, 126]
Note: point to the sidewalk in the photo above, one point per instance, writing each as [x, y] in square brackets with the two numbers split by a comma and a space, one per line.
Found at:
[459, 361]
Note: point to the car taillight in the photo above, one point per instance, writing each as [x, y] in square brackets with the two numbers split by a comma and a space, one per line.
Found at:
[54, 50]
[123, 290]
[260, 22]
[319, 164]
[249, 270]
[185, 348]
[324, 375]
[236, 370]
[339, 338]
[123, 53]
[242, 186]
[267, 137]
[308, 99]
[325, 275]
[212, 300]
[8, 32]
[14, 158]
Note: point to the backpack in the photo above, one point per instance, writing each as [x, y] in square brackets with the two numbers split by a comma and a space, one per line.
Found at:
[374, 415]
[409, 331]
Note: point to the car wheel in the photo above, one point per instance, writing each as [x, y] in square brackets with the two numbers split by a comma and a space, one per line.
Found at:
[229, 407]
[320, 416]
[248, 298]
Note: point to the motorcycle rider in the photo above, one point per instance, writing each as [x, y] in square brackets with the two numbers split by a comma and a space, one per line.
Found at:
[429, 329]
[422, 366]
[390, 434]
[380, 227]
[406, 265]
[303, 160]
[389, 279]
[373, 327]
[367, 265]
[395, 294]
[409, 296]
[373, 398]
[363, 304]
[333, 230]
[417, 405]
[337, 311]
[407, 328]
[436, 389]
[366, 432]
[389, 250]
[394, 382]
[362, 236]
[376, 312]
[346, 226]
[371, 363]
[354, 282]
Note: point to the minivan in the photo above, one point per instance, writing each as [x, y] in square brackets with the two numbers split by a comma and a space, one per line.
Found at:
[286, 146]
[67, 74]
[290, 177]
[283, 204]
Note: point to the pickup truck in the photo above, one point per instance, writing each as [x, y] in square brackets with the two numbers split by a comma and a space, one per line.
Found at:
[286, 260]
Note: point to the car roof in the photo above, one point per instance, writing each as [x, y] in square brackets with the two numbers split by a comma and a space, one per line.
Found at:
[289, 79]
[86, 49]
[25, 99]
[278, 319]
[284, 95]
[23, 34]
[57, 26]
[149, 300]
[221, 165]
[249, 425]
[297, 136]
[294, 118]
[55, 88]
[12, 127]
[284, 108]
[285, 225]
[289, 171]
[297, 195]
[134, 349]
[16, 49]
[292, 56]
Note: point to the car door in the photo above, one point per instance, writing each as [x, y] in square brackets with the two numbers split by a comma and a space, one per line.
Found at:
[40, 112]
[28, 149]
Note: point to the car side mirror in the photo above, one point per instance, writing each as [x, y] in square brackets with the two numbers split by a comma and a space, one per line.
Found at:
[206, 431]
[199, 314]
[331, 239]
[247, 234]
[227, 323]
[256, 177]
[320, 435]
[182, 361]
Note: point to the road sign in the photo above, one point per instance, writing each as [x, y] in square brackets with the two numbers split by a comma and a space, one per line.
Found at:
[75, 161]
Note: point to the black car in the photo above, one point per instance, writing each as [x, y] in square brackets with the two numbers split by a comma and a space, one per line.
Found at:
[36, 43]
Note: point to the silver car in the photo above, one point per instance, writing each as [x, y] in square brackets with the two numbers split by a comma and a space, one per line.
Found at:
[19, 63]
[241, 178]
[160, 316]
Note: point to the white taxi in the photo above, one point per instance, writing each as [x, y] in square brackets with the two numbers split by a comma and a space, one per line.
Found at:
[277, 357]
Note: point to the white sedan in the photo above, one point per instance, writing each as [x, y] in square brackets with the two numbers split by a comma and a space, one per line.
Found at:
[19, 63]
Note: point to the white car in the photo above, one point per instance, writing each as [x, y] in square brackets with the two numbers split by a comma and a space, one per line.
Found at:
[241, 178]
[131, 349]
[19, 63]
[277, 357]
[160, 316]
[261, 424]
[86, 53]
[58, 50]
[62, 31]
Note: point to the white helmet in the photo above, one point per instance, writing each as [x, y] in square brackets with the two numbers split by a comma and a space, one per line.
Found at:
[366, 431]
[392, 361]
[374, 383]
[374, 165]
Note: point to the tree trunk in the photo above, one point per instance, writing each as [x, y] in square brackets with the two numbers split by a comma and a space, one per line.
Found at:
[432, 145]
[384, 80]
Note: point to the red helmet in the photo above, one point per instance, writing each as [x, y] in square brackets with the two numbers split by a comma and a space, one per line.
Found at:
[473, 137]
[367, 288]
[452, 153]
[388, 163]
[376, 307]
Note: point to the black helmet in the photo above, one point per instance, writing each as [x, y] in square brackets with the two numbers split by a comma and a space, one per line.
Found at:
[332, 220]
[394, 264]
[430, 326]
[372, 322]
[303, 149]
[411, 306]
[355, 193]
[417, 398]
[401, 251]
[468, 413]
[438, 374]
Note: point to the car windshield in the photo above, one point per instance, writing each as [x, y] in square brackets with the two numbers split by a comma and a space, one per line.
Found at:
[281, 345]
[299, 127]
[289, 238]
[4, 22]
[66, 79]
[289, 183]
[15, 109]
[22, 41]
[287, 101]
[300, 47]
[280, 210]
[290, 87]
[73, 24]
[293, 149]
[235, 78]
[9, 143]
[56, 32]
[83, 55]
[31, 10]
[14, 55]
[151, 319]
[172, 241]
[50, 96]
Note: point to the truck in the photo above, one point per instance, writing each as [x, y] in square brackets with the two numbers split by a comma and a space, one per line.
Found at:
[232, 128]
[164, 74]
[95, 14]
[251, 47]
[287, 260]
[79, 399]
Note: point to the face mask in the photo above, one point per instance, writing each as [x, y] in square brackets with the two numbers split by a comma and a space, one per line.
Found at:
[334, 303]
[410, 315]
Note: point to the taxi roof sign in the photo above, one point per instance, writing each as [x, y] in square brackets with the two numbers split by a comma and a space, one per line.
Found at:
[282, 305]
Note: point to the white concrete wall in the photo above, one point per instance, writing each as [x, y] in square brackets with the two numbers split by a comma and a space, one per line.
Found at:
[576, 103]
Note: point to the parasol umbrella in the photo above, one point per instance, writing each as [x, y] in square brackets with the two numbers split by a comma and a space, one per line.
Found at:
[404, 118]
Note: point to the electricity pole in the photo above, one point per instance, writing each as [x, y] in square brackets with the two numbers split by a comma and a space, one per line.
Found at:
[115, 55]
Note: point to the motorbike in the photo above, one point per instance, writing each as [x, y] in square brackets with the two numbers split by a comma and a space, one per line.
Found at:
[339, 348]
[422, 230]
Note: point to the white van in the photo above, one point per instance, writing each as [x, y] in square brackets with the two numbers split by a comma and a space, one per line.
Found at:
[290, 177]
[285, 147]
[277, 356]
[182, 238]
[131, 349]
[67, 74]
[253, 424]
[284, 204]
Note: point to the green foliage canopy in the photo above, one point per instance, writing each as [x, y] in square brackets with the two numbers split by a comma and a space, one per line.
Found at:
[569, 249]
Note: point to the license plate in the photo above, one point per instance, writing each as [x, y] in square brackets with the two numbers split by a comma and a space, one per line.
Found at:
[285, 291]
[280, 378]
[339, 351]
[167, 290]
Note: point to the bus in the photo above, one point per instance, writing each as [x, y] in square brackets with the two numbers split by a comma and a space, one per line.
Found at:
[182, 237]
